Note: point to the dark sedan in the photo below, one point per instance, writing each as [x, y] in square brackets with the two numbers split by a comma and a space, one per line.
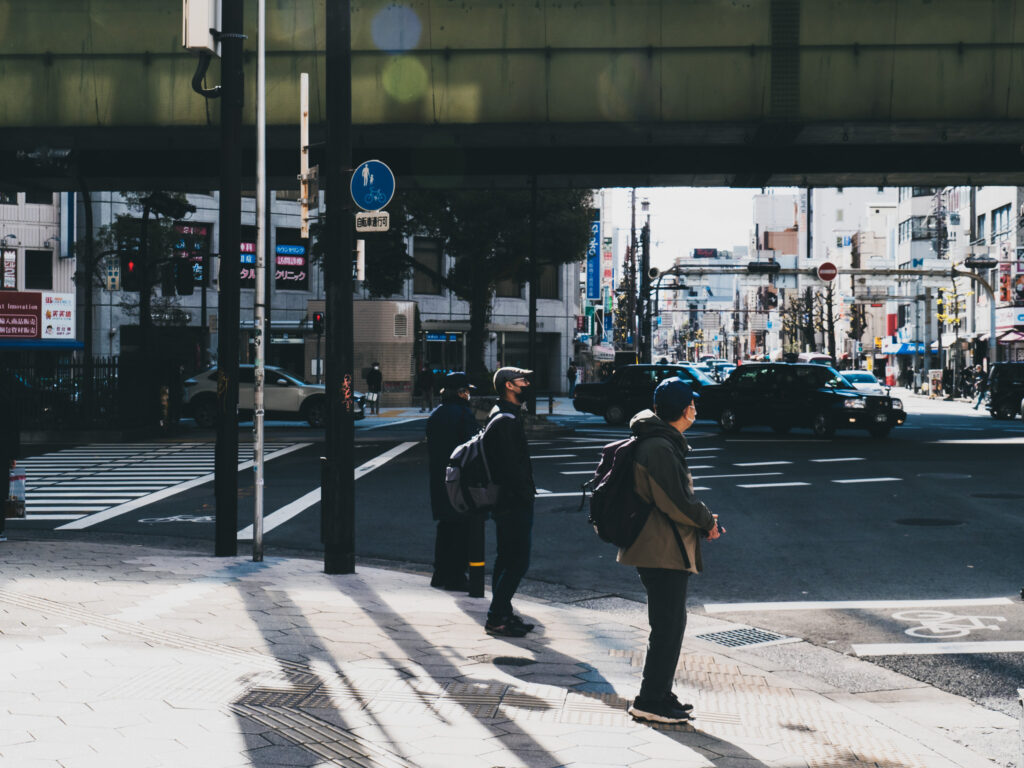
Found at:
[630, 389]
[787, 395]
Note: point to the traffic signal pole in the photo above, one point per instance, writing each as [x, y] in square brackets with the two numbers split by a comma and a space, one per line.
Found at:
[226, 451]
[337, 501]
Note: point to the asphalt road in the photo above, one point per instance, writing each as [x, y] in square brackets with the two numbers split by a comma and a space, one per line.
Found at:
[845, 542]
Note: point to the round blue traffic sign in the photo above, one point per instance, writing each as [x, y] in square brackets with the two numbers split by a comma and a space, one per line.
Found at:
[373, 185]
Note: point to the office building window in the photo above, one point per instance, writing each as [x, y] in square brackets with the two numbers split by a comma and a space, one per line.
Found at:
[547, 282]
[39, 198]
[509, 288]
[39, 270]
[427, 252]
[981, 229]
[8, 198]
[1001, 224]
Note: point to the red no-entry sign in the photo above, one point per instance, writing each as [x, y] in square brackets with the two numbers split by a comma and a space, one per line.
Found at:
[827, 271]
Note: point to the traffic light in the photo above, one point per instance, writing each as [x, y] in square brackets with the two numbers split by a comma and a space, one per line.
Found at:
[769, 267]
[131, 272]
[771, 299]
[183, 280]
[318, 323]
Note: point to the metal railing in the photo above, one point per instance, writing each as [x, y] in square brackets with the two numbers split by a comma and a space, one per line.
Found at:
[53, 396]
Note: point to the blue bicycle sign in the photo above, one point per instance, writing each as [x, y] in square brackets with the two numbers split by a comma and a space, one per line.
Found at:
[373, 185]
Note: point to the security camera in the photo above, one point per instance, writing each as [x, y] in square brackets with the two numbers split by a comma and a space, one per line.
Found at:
[653, 273]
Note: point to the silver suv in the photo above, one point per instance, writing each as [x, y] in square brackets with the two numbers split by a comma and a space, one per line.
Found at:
[285, 397]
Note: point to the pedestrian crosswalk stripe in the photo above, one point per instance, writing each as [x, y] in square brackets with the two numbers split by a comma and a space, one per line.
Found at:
[739, 474]
[852, 605]
[843, 458]
[937, 649]
[868, 480]
[769, 485]
[759, 463]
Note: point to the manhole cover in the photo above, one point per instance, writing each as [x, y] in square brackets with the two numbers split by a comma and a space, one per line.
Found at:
[945, 475]
[928, 521]
[998, 495]
[737, 638]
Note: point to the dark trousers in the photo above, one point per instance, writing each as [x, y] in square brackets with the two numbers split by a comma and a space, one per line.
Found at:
[514, 532]
[451, 553]
[666, 613]
[5, 486]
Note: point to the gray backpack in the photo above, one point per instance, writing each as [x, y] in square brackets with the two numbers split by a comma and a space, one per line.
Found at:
[467, 478]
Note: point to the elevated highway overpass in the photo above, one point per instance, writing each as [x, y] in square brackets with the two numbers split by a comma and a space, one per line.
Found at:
[574, 92]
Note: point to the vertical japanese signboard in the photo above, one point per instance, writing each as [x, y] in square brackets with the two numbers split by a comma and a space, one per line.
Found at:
[9, 279]
[248, 258]
[193, 244]
[594, 261]
[291, 261]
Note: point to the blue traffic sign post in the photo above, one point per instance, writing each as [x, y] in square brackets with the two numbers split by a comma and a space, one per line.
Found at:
[373, 185]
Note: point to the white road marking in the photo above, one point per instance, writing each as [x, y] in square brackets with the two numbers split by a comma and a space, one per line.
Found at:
[844, 458]
[740, 474]
[32, 516]
[290, 510]
[361, 428]
[982, 441]
[929, 649]
[759, 463]
[851, 605]
[770, 440]
[56, 508]
[555, 456]
[868, 480]
[768, 485]
[142, 501]
[578, 472]
[701, 466]
[704, 449]
[559, 495]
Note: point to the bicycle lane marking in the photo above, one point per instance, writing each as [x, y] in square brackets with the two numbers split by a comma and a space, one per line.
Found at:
[301, 504]
[142, 501]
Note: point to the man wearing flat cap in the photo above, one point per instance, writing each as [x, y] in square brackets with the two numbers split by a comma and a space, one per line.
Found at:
[667, 550]
[450, 425]
[509, 458]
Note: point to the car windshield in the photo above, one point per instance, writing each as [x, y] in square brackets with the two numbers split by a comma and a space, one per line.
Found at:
[860, 378]
[699, 375]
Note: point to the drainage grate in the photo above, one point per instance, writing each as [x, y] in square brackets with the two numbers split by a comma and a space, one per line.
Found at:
[928, 521]
[738, 638]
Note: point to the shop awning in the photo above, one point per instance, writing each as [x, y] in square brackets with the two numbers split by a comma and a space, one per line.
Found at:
[1010, 336]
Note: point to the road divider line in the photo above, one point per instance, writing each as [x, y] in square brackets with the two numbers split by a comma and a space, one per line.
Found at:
[851, 605]
[868, 480]
[769, 485]
[936, 649]
[301, 504]
[142, 501]
[844, 458]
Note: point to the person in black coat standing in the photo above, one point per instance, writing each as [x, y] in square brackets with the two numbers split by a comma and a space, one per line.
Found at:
[374, 385]
[10, 443]
[450, 425]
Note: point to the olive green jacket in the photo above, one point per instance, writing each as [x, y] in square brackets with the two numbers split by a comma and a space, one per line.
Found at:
[662, 478]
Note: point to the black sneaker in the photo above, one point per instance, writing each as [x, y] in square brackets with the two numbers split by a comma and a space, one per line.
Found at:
[518, 622]
[504, 628]
[674, 700]
[665, 711]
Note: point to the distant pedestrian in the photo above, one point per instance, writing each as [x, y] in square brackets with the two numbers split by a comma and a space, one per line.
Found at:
[980, 385]
[451, 424]
[508, 456]
[425, 388]
[10, 444]
[667, 550]
[571, 373]
[374, 385]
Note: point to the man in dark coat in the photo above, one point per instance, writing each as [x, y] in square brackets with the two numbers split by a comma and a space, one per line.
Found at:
[450, 425]
[10, 443]
[508, 456]
[425, 387]
[374, 385]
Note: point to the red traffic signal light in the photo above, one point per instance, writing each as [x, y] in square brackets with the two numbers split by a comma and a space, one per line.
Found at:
[318, 323]
[131, 273]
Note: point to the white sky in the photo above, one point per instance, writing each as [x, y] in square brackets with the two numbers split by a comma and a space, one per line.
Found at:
[684, 218]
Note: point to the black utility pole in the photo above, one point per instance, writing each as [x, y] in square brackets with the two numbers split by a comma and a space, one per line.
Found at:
[338, 492]
[226, 453]
[531, 333]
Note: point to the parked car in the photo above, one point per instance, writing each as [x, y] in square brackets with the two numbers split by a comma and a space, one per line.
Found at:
[1006, 390]
[630, 389]
[817, 358]
[787, 395]
[865, 381]
[285, 396]
[720, 369]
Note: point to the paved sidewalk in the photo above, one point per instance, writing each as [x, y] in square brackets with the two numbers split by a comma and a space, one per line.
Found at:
[136, 656]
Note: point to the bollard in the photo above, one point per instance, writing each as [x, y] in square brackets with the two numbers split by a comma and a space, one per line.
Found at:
[477, 545]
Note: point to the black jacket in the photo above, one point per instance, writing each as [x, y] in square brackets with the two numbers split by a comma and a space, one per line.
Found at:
[10, 427]
[374, 380]
[508, 456]
[450, 425]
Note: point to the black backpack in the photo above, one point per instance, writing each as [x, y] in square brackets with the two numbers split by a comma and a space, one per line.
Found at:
[468, 480]
[616, 510]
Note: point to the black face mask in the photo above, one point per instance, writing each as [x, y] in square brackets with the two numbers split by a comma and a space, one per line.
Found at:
[525, 394]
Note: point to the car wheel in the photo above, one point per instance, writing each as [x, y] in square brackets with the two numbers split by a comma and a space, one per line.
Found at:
[204, 411]
[879, 432]
[822, 425]
[780, 429]
[615, 414]
[727, 420]
[315, 412]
